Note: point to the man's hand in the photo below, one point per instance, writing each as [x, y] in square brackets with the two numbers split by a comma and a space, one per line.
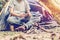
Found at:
[22, 15]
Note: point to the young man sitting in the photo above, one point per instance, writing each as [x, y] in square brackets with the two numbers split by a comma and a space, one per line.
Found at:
[19, 10]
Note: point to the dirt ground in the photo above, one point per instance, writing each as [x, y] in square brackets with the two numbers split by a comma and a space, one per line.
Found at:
[38, 35]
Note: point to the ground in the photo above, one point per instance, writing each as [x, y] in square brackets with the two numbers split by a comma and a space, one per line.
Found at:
[38, 35]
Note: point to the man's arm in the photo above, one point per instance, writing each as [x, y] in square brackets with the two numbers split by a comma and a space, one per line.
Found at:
[28, 12]
[28, 8]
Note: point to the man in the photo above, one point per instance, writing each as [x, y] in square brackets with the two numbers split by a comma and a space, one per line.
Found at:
[19, 9]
